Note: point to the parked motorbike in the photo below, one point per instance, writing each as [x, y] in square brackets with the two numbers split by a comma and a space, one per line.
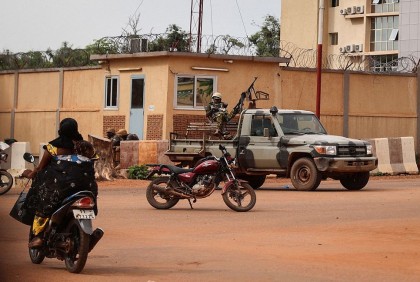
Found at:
[69, 235]
[6, 179]
[199, 182]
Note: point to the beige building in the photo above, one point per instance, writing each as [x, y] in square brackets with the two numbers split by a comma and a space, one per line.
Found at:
[374, 32]
[150, 93]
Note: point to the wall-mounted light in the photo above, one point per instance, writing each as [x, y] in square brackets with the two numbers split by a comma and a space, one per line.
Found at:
[210, 69]
[130, 69]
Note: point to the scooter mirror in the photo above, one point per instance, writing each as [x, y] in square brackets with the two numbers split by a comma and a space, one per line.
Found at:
[29, 157]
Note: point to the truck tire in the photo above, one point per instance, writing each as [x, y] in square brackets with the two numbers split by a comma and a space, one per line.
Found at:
[355, 181]
[256, 181]
[304, 175]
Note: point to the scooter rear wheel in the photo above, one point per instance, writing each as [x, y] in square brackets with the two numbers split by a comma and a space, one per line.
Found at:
[158, 199]
[76, 258]
[240, 197]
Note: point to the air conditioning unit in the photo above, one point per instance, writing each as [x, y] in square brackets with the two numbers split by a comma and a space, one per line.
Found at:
[144, 45]
[348, 10]
[343, 49]
[343, 12]
[353, 9]
[135, 45]
[358, 48]
[350, 48]
[360, 9]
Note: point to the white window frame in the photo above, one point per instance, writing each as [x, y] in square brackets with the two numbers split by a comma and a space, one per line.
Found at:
[109, 92]
[195, 77]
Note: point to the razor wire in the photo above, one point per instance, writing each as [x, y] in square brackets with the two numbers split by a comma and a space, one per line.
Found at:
[209, 44]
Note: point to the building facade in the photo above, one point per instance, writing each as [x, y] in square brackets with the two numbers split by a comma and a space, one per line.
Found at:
[375, 32]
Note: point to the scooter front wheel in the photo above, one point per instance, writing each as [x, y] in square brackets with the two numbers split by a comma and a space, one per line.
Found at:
[158, 199]
[6, 182]
[240, 197]
[37, 255]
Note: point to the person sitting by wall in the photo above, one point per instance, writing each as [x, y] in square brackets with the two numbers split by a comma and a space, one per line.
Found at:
[110, 132]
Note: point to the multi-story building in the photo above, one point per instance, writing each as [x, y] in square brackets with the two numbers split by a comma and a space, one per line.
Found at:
[373, 32]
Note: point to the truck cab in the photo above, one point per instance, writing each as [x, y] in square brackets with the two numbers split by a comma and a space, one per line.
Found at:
[272, 140]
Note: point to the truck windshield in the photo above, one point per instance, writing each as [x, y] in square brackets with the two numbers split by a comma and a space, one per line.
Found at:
[300, 123]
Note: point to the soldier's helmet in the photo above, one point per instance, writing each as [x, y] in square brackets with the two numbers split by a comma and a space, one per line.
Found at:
[217, 95]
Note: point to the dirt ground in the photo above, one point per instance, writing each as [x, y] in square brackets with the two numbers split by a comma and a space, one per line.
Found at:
[330, 234]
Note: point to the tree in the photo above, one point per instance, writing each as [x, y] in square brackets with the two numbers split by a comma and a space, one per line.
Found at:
[229, 43]
[68, 57]
[175, 39]
[102, 46]
[267, 40]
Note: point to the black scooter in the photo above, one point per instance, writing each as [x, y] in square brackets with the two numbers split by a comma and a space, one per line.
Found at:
[69, 235]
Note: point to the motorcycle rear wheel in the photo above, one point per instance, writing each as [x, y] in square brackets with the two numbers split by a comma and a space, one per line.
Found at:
[6, 182]
[76, 258]
[240, 197]
[158, 199]
[37, 255]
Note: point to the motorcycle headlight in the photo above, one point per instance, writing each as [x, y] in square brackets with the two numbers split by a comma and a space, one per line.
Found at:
[326, 150]
[369, 149]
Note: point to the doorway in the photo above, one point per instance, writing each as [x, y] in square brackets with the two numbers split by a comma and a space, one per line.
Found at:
[137, 111]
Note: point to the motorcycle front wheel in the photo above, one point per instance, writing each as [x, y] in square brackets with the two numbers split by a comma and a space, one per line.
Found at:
[240, 197]
[160, 200]
[6, 182]
[75, 259]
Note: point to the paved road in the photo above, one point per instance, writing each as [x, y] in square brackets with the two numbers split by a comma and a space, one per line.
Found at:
[328, 235]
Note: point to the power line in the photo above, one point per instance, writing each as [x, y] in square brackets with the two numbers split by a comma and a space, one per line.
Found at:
[242, 19]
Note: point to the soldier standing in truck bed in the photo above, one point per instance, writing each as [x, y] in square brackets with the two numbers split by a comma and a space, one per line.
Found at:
[216, 111]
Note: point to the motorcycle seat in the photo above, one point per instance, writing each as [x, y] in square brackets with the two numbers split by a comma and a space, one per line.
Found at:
[176, 169]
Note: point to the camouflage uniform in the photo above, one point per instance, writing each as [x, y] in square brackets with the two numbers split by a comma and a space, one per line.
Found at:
[217, 112]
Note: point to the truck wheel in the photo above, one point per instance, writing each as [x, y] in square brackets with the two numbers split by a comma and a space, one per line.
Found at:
[355, 181]
[256, 181]
[304, 175]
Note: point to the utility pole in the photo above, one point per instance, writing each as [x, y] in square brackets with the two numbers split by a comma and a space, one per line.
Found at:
[196, 22]
[319, 57]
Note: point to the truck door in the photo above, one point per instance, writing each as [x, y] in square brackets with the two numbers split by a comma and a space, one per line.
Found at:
[256, 151]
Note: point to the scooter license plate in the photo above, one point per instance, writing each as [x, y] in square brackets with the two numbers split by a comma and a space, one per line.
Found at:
[83, 214]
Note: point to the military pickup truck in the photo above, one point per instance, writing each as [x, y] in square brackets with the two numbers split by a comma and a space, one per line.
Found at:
[286, 143]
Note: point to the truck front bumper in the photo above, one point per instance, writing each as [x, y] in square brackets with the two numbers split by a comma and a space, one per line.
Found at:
[361, 164]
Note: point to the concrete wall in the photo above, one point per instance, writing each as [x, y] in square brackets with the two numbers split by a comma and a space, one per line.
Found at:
[353, 104]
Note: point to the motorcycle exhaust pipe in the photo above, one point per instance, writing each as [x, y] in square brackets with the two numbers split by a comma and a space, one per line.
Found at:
[170, 191]
[95, 237]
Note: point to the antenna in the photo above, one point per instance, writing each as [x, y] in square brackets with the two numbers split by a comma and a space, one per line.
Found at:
[196, 22]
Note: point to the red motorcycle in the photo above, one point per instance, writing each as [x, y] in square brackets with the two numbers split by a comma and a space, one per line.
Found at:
[199, 182]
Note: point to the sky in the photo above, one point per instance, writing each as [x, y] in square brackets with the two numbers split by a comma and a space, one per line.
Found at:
[36, 25]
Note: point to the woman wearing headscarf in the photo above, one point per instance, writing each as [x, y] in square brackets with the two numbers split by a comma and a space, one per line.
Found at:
[60, 173]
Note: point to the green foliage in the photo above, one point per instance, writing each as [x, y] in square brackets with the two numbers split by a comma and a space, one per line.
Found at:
[267, 40]
[230, 42]
[102, 46]
[175, 39]
[137, 172]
